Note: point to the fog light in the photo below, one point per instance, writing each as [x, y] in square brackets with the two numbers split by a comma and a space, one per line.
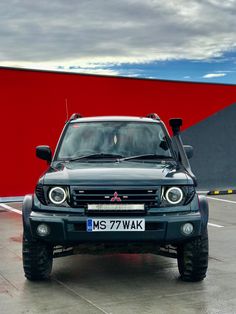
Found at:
[187, 228]
[43, 230]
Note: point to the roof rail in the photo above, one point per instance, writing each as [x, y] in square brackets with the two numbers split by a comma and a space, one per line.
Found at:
[153, 116]
[75, 116]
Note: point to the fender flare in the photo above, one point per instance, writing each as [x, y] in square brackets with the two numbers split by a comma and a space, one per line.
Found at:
[204, 210]
[26, 210]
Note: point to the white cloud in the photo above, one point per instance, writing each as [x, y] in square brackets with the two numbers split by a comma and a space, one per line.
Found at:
[91, 70]
[93, 33]
[95, 69]
[226, 71]
[211, 75]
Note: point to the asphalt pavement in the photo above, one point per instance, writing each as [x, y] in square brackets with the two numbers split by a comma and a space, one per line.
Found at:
[121, 283]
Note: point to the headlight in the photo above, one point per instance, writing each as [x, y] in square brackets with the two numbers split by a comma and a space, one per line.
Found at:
[177, 195]
[174, 195]
[57, 195]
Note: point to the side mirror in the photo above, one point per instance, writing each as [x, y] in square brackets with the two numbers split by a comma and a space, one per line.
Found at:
[189, 151]
[44, 152]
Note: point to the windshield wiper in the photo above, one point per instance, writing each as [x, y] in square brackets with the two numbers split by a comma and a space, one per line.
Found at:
[96, 155]
[148, 156]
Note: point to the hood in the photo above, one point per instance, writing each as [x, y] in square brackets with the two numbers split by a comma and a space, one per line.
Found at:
[117, 173]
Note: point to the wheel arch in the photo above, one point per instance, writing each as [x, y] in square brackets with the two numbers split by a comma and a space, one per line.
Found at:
[26, 210]
[204, 210]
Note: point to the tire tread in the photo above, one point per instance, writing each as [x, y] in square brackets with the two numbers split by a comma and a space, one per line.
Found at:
[193, 259]
[37, 259]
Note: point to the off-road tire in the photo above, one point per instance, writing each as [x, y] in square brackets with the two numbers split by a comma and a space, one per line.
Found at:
[37, 259]
[192, 259]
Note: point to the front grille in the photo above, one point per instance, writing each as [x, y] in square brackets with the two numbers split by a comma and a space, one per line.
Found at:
[82, 197]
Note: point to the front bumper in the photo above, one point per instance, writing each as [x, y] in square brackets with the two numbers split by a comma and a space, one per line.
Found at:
[71, 229]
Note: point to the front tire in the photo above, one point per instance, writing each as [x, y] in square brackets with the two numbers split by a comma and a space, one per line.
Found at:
[37, 259]
[192, 258]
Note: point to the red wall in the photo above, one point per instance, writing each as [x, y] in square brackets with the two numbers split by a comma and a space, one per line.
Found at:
[33, 111]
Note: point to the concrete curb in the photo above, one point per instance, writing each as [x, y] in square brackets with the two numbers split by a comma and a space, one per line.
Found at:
[221, 192]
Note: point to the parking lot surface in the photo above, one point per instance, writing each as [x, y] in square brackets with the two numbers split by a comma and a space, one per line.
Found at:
[121, 283]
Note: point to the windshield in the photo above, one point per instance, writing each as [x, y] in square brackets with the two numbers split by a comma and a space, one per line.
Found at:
[116, 138]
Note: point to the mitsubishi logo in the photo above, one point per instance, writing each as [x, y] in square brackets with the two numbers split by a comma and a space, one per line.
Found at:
[115, 198]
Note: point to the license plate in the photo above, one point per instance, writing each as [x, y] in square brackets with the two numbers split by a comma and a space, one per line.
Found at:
[94, 225]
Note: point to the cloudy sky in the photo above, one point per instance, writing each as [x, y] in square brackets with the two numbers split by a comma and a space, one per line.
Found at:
[175, 39]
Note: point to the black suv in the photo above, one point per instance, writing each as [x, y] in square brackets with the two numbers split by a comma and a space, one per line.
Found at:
[116, 185]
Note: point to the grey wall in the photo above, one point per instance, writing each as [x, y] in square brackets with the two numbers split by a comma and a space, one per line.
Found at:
[214, 142]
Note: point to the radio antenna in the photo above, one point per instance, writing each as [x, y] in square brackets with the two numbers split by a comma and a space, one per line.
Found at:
[67, 113]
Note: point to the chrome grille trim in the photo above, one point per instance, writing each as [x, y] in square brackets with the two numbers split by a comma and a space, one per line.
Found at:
[82, 196]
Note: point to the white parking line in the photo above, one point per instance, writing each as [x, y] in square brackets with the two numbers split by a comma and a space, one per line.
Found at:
[11, 208]
[221, 200]
[215, 225]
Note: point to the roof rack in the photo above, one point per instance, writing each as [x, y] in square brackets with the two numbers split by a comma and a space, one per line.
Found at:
[153, 116]
[75, 116]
